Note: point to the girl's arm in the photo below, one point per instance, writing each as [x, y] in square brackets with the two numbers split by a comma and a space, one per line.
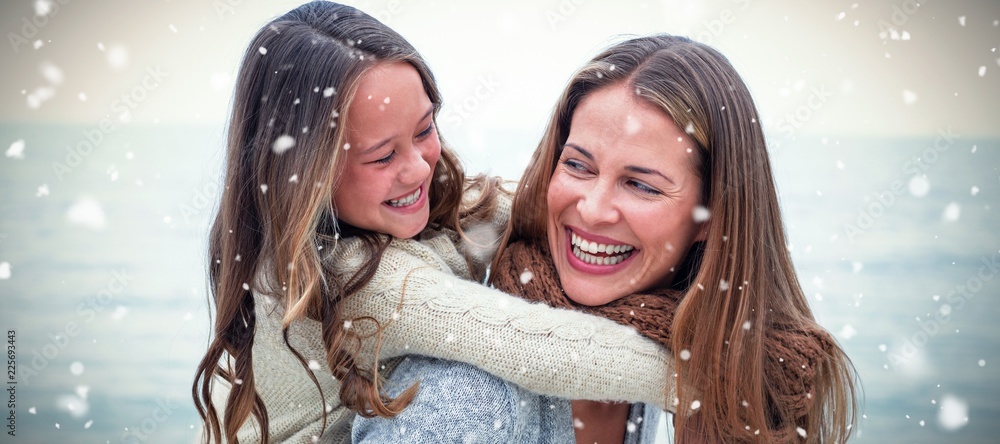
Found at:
[426, 309]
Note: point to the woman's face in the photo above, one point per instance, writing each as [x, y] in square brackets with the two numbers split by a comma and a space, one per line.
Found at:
[393, 147]
[621, 199]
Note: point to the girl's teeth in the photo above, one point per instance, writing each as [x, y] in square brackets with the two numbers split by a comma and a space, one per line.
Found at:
[408, 200]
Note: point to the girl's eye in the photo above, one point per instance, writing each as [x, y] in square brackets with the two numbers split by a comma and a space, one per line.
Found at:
[427, 131]
[644, 188]
[387, 159]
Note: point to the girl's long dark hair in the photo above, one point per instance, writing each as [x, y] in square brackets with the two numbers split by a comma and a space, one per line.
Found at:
[276, 215]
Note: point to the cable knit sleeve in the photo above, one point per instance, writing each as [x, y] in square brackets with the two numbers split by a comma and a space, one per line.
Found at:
[549, 351]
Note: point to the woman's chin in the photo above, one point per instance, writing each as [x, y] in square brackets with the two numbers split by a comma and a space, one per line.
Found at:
[590, 295]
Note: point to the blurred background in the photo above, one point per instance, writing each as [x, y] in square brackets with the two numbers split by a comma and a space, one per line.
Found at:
[883, 119]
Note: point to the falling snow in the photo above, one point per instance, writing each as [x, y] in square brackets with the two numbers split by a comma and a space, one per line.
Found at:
[632, 126]
[88, 213]
[43, 7]
[283, 143]
[117, 56]
[4, 270]
[52, 73]
[16, 149]
[76, 406]
[119, 313]
[700, 214]
[847, 332]
[953, 413]
[951, 212]
[919, 186]
[909, 97]
[526, 276]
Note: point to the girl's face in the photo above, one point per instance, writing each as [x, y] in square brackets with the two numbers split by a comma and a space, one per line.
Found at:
[391, 152]
[621, 198]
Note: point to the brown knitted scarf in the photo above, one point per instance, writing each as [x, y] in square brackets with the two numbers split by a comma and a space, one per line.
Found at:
[792, 356]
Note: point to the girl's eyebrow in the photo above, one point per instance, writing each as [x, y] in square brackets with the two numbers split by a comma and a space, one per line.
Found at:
[634, 169]
[382, 142]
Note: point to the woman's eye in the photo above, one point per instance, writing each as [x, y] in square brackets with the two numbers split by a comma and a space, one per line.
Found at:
[574, 165]
[388, 158]
[644, 188]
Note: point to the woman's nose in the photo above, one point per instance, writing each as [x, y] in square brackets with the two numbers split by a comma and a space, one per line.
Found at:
[597, 206]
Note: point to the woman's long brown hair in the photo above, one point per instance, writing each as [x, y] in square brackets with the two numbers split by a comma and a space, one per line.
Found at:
[276, 215]
[745, 249]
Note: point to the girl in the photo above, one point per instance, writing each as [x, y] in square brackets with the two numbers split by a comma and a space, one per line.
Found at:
[337, 242]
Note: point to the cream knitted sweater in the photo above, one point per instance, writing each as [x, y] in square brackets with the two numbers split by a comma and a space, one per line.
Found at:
[443, 314]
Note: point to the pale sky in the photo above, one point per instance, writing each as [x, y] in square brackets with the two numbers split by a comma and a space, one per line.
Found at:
[939, 69]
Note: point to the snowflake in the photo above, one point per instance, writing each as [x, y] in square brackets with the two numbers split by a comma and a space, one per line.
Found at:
[953, 413]
[700, 214]
[16, 150]
[951, 212]
[526, 276]
[283, 143]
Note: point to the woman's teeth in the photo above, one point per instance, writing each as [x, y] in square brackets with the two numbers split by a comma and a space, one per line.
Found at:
[408, 200]
[588, 251]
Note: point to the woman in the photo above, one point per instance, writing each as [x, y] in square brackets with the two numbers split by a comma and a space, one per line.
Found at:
[338, 242]
[650, 201]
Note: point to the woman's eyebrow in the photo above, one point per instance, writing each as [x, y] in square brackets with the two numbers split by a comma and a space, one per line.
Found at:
[643, 170]
[634, 169]
[582, 151]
